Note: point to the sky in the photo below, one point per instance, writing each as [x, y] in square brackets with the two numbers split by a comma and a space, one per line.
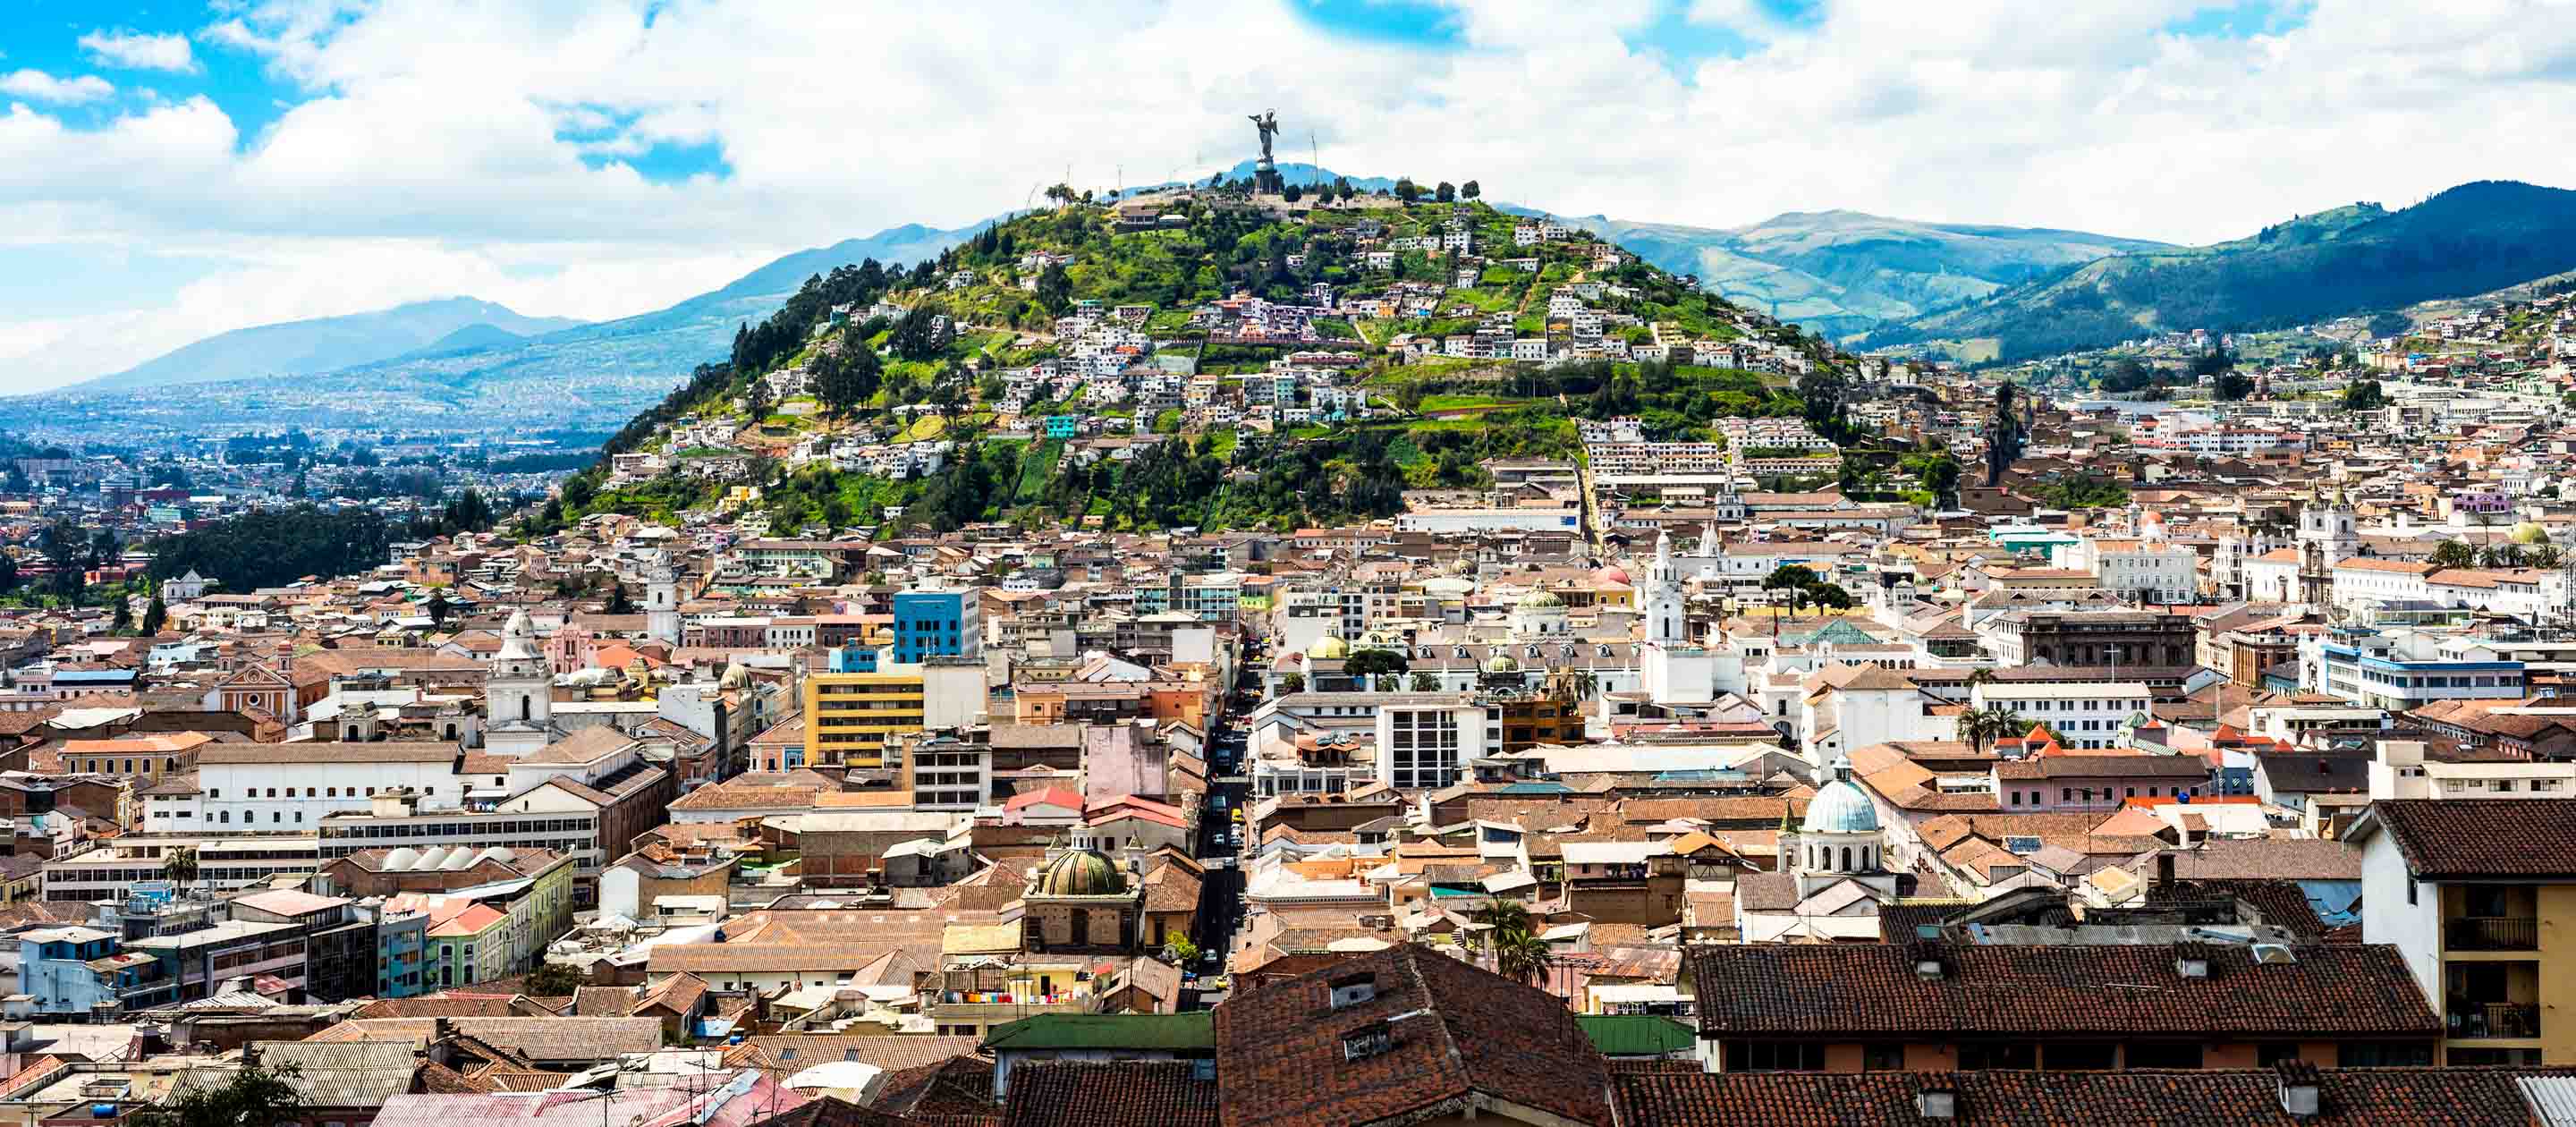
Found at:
[172, 170]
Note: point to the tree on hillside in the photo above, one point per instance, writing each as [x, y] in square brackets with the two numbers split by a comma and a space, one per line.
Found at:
[1470, 190]
[2234, 386]
[756, 404]
[155, 616]
[845, 381]
[438, 608]
[1446, 192]
[1407, 190]
[922, 334]
[2364, 395]
[1055, 289]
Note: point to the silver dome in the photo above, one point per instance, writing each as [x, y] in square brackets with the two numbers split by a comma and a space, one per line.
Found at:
[1841, 807]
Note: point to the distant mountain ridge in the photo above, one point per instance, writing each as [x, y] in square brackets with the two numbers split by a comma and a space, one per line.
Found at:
[1845, 272]
[2471, 239]
[324, 343]
[1848, 275]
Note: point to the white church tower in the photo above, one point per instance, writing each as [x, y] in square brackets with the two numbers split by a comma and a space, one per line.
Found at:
[518, 698]
[662, 601]
[1663, 604]
[2332, 525]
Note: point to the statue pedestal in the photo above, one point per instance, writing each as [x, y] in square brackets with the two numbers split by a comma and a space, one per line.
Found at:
[1266, 181]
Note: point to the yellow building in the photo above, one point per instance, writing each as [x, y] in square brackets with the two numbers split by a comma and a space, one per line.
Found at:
[849, 717]
[2479, 896]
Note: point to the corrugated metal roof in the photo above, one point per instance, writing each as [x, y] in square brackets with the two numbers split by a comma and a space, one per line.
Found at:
[2552, 1099]
[1635, 1035]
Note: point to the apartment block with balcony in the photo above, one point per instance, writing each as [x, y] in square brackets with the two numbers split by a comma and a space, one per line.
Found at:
[2480, 898]
[852, 716]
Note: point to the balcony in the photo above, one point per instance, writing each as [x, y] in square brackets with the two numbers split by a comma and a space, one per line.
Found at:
[991, 1013]
[2473, 1020]
[2492, 933]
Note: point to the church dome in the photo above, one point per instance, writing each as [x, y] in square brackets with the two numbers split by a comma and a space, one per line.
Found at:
[1541, 600]
[1502, 663]
[1080, 872]
[1328, 648]
[1841, 807]
[1612, 574]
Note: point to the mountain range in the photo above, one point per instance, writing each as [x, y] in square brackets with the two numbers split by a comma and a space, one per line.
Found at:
[330, 343]
[1841, 273]
[1971, 290]
[2360, 258]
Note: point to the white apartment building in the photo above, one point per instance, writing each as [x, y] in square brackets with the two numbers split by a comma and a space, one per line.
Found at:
[222, 862]
[2403, 771]
[1425, 743]
[2164, 573]
[2360, 582]
[293, 786]
[1658, 458]
[1462, 521]
[2084, 714]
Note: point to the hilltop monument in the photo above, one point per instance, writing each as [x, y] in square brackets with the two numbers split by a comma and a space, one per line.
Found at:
[1265, 175]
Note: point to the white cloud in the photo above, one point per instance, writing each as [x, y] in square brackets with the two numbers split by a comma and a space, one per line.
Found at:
[36, 85]
[499, 134]
[134, 50]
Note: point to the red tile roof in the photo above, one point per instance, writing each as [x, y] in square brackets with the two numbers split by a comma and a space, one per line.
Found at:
[1454, 1031]
[1134, 1093]
[1852, 992]
[2447, 1097]
[2454, 839]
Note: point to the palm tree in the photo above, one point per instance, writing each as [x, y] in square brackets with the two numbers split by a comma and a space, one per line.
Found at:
[1519, 953]
[1573, 686]
[1520, 956]
[179, 866]
[1981, 727]
[1504, 915]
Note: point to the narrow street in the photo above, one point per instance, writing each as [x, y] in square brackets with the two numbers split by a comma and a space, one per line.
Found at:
[1220, 849]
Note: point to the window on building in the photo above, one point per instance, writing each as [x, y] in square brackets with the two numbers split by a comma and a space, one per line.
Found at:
[2164, 1054]
[2010, 1054]
[1774, 1056]
[2083, 1055]
[1361, 1044]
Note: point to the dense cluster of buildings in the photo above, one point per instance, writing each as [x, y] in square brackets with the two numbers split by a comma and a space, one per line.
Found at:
[1634, 791]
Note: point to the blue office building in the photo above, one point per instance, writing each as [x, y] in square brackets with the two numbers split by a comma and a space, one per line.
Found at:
[936, 624]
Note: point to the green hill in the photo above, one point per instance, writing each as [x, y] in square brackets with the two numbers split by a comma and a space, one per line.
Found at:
[896, 379]
[2471, 239]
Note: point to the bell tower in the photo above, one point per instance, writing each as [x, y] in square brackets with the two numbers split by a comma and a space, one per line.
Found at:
[662, 601]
